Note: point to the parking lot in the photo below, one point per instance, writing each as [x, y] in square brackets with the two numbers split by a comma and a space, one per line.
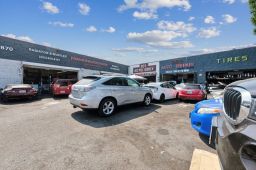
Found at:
[50, 134]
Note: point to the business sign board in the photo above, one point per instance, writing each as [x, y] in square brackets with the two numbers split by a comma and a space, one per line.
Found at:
[175, 66]
[24, 51]
[237, 59]
[145, 69]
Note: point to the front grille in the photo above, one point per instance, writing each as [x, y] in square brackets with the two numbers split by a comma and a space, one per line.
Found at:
[232, 103]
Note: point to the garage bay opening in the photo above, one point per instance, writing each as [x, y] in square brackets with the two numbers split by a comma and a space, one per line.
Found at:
[42, 78]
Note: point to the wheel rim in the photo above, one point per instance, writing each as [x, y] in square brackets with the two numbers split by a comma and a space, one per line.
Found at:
[108, 107]
[147, 100]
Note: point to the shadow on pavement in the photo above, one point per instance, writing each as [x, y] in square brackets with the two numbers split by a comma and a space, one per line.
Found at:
[15, 101]
[205, 139]
[123, 114]
[168, 102]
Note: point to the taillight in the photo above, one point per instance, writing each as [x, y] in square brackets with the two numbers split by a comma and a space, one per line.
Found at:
[86, 89]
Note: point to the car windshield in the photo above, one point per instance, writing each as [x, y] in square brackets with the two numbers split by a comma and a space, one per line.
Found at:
[192, 87]
[86, 81]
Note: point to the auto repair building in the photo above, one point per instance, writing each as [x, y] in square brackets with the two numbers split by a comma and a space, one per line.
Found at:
[225, 67]
[24, 62]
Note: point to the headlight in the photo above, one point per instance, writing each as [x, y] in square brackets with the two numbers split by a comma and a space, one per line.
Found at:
[252, 114]
[209, 110]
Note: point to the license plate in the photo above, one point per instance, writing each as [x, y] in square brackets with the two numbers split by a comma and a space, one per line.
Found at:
[62, 92]
[22, 91]
[189, 92]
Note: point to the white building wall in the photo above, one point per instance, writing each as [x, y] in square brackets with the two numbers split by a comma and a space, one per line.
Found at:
[11, 72]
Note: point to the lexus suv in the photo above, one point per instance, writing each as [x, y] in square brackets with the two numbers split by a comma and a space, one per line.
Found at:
[235, 136]
[105, 93]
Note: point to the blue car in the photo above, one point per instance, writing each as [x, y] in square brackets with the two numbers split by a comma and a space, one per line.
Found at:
[204, 111]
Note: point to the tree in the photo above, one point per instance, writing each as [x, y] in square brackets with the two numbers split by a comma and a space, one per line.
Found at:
[252, 4]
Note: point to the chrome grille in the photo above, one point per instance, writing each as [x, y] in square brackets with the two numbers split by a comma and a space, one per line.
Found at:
[232, 103]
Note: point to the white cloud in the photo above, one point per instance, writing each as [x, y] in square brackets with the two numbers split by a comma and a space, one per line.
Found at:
[191, 18]
[209, 20]
[134, 49]
[62, 24]
[50, 8]
[84, 9]
[145, 15]
[154, 4]
[229, 19]
[158, 38]
[219, 49]
[22, 38]
[46, 44]
[110, 30]
[244, 1]
[209, 32]
[180, 44]
[229, 1]
[179, 26]
[91, 29]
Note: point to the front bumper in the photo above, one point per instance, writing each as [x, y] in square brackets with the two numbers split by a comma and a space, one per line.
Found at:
[202, 122]
[231, 141]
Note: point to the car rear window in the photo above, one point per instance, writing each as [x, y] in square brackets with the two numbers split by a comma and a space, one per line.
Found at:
[86, 81]
[192, 87]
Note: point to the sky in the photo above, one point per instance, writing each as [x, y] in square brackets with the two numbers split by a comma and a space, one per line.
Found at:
[130, 31]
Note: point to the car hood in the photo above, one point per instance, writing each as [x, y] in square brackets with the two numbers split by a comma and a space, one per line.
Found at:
[248, 84]
[212, 103]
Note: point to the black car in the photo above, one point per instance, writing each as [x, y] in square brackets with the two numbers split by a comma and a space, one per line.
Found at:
[235, 134]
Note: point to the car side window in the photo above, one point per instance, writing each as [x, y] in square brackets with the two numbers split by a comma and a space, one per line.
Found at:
[114, 82]
[132, 83]
[164, 85]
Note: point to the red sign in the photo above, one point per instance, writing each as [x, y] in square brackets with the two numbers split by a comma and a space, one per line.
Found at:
[144, 68]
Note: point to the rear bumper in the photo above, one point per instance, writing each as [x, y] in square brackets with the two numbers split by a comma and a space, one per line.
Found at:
[191, 97]
[15, 96]
[202, 122]
[84, 103]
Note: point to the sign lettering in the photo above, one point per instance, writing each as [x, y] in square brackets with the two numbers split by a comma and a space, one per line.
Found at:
[232, 59]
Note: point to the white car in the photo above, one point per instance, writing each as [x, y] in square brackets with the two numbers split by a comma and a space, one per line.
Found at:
[105, 93]
[162, 91]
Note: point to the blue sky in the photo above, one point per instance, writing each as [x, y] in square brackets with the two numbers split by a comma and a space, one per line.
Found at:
[130, 31]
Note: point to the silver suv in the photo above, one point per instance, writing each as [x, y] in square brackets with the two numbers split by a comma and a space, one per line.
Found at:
[105, 93]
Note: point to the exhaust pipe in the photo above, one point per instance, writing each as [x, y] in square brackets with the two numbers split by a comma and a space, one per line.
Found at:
[74, 106]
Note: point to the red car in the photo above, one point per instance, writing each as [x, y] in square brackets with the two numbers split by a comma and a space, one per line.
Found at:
[17, 91]
[62, 86]
[192, 92]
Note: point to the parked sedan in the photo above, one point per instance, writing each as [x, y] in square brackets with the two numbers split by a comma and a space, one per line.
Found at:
[204, 111]
[106, 93]
[192, 92]
[162, 91]
[17, 91]
[62, 86]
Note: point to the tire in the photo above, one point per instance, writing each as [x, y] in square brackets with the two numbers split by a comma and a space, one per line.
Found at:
[107, 107]
[4, 99]
[162, 98]
[147, 100]
[177, 96]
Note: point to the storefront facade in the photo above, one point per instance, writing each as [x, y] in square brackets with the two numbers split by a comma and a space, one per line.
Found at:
[23, 62]
[226, 67]
[148, 70]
